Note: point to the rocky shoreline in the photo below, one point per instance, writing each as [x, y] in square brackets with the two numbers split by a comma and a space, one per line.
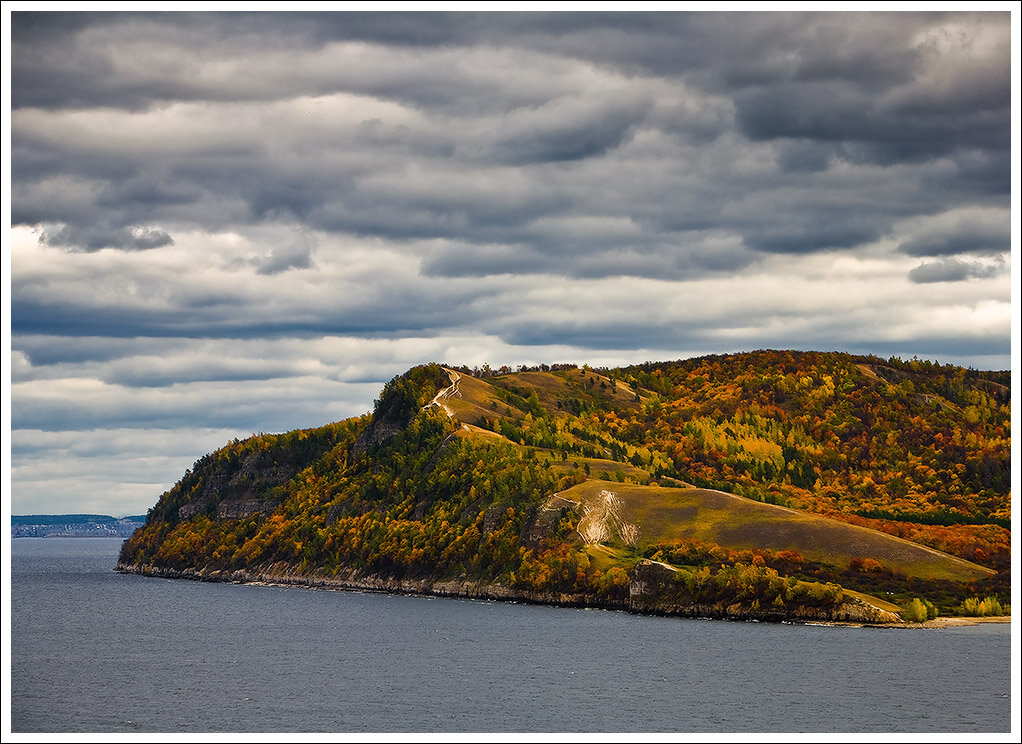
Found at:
[642, 597]
[287, 575]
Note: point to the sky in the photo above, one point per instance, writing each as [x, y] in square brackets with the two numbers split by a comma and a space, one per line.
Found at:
[230, 223]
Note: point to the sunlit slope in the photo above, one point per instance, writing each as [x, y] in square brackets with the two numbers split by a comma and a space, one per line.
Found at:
[475, 399]
[472, 400]
[663, 515]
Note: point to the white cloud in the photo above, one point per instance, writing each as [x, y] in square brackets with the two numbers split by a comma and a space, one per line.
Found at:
[106, 471]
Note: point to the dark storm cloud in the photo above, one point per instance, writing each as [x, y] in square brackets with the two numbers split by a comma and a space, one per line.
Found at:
[607, 334]
[50, 350]
[976, 173]
[583, 254]
[402, 313]
[601, 331]
[297, 254]
[438, 202]
[111, 408]
[63, 59]
[97, 237]
[567, 131]
[974, 233]
[85, 73]
[950, 270]
[810, 235]
[83, 76]
[824, 88]
[942, 347]
[877, 85]
[525, 144]
[806, 155]
[874, 132]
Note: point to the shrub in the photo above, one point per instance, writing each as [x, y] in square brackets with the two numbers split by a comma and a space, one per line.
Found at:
[975, 607]
[919, 611]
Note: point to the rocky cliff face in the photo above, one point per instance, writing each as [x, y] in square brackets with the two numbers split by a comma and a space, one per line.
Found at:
[378, 432]
[246, 490]
[288, 575]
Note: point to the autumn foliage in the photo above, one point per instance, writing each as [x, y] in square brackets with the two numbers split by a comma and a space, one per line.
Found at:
[915, 449]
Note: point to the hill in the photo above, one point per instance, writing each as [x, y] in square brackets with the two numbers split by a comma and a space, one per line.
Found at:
[771, 484]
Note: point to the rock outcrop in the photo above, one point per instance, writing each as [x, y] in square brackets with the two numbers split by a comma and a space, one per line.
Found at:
[241, 491]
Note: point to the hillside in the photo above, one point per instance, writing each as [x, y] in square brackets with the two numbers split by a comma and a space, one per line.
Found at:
[771, 484]
[664, 517]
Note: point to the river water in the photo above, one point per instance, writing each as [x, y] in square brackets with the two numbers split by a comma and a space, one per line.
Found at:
[97, 651]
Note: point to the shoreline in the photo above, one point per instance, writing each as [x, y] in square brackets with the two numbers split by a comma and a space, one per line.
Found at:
[939, 623]
[956, 621]
[455, 589]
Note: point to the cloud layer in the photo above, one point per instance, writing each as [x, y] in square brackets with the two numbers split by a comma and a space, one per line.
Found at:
[227, 223]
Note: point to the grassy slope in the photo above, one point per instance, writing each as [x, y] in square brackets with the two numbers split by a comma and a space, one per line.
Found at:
[475, 399]
[666, 514]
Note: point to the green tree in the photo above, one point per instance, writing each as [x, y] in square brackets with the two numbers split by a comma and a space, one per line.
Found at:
[918, 611]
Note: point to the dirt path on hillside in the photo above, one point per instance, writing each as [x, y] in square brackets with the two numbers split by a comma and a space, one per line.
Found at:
[451, 391]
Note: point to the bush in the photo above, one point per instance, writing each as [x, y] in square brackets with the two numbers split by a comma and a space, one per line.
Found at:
[975, 607]
[919, 611]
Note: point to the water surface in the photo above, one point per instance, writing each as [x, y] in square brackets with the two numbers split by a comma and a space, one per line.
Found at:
[98, 651]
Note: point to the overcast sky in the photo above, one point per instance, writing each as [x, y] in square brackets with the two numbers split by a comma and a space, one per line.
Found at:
[228, 223]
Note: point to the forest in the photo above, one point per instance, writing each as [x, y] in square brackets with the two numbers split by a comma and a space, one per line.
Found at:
[467, 489]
